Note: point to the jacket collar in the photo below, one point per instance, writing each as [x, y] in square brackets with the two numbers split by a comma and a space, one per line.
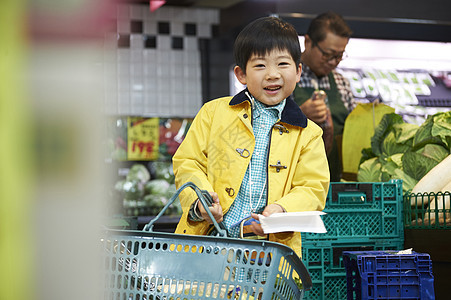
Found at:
[291, 114]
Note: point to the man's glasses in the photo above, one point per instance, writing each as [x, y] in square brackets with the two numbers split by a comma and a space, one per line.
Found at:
[331, 56]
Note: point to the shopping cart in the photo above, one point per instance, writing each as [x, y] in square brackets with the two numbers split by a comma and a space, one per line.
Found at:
[149, 265]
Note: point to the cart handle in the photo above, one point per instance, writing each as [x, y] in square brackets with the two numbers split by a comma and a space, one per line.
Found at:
[201, 194]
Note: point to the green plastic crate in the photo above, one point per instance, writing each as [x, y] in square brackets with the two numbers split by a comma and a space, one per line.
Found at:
[427, 210]
[359, 210]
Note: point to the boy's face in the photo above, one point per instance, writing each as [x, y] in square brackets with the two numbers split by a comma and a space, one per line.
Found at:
[270, 78]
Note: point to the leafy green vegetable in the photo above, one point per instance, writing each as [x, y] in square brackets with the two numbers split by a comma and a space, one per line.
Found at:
[163, 170]
[405, 132]
[138, 172]
[392, 168]
[133, 190]
[157, 187]
[405, 151]
[392, 136]
[155, 202]
[382, 130]
[391, 145]
[435, 130]
[367, 153]
[434, 151]
[389, 166]
[407, 182]
[369, 171]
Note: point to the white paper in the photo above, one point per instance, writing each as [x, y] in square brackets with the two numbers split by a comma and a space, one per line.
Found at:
[303, 221]
[405, 251]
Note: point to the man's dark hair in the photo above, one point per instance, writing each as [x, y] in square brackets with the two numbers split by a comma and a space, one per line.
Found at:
[328, 22]
[264, 35]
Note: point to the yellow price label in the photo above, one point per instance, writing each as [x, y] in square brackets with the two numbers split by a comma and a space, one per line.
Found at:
[143, 138]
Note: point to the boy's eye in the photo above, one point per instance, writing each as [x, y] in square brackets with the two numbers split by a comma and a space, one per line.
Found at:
[284, 63]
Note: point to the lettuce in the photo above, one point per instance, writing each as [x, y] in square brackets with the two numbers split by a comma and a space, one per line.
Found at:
[435, 130]
[384, 128]
[405, 151]
[369, 171]
[157, 187]
[138, 172]
[392, 136]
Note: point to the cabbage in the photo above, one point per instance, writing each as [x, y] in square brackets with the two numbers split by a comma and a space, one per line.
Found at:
[163, 170]
[384, 128]
[419, 163]
[138, 172]
[433, 151]
[133, 190]
[155, 203]
[369, 171]
[435, 130]
[405, 151]
[157, 187]
[392, 136]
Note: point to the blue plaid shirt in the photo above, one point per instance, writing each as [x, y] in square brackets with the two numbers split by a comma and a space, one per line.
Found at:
[253, 191]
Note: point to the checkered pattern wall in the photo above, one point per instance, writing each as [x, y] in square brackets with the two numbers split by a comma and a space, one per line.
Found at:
[152, 60]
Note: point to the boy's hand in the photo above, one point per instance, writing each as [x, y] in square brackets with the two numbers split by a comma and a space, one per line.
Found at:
[269, 210]
[215, 209]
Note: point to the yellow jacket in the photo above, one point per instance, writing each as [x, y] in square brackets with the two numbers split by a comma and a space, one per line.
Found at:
[216, 152]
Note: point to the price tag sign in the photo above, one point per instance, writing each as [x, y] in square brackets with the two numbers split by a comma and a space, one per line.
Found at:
[143, 138]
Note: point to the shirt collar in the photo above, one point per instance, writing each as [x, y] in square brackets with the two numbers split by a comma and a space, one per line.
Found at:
[307, 76]
[306, 71]
[290, 113]
[277, 108]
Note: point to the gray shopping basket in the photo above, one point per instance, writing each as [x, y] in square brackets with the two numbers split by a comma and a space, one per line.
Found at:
[151, 265]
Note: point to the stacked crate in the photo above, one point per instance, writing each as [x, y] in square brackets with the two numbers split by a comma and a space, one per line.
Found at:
[386, 275]
[360, 217]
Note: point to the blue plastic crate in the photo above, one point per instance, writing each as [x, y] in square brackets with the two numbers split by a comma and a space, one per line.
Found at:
[324, 262]
[362, 210]
[388, 275]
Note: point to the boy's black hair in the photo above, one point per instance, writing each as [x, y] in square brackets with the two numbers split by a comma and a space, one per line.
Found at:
[328, 22]
[264, 35]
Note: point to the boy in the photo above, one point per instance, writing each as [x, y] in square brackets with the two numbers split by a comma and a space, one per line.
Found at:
[256, 152]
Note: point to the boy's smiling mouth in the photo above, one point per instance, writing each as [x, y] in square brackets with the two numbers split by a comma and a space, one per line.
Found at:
[273, 88]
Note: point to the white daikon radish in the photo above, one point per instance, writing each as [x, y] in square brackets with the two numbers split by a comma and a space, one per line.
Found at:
[433, 181]
[440, 205]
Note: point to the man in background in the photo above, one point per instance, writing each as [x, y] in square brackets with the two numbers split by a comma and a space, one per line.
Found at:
[323, 94]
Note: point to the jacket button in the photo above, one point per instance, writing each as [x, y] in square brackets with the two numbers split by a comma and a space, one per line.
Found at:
[245, 116]
[230, 191]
